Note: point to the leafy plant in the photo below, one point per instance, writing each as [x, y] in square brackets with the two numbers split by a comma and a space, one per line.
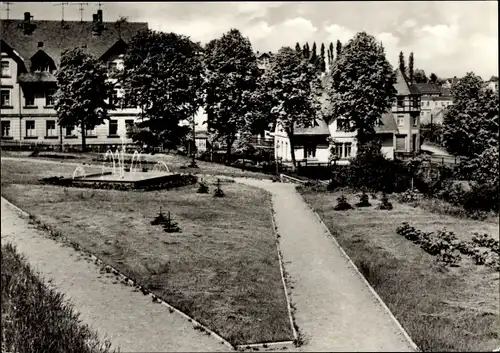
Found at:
[168, 225]
[409, 196]
[363, 200]
[385, 204]
[203, 188]
[342, 204]
[218, 191]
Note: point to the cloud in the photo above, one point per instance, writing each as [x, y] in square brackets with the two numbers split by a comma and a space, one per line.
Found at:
[336, 32]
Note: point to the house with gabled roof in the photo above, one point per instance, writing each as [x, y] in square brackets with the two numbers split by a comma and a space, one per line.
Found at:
[31, 53]
[435, 99]
[398, 130]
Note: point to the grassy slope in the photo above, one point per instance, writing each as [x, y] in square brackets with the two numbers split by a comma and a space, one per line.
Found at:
[222, 269]
[443, 309]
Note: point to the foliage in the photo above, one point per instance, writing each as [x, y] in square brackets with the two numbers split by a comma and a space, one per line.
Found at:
[168, 225]
[409, 196]
[338, 49]
[433, 78]
[37, 318]
[362, 85]
[385, 204]
[202, 188]
[162, 75]
[342, 204]
[292, 83]
[402, 65]
[410, 67]
[81, 90]
[321, 60]
[431, 132]
[420, 77]
[218, 191]
[470, 125]
[363, 200]
[231, 75]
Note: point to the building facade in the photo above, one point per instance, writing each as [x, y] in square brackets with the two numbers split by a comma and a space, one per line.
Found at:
[434, 102]
[30, 55]
[398, 130]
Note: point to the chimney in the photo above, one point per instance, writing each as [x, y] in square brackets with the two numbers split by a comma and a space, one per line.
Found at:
[99, 15]
[94, 18]
[27, 17]
[40, 45]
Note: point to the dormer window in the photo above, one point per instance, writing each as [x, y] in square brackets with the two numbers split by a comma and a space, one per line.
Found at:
[41, 62]
[6, 69]
[401, 102]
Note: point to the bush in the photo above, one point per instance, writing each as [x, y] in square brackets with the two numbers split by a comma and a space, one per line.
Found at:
[168, 225]
[409, 196]
[342, 204]
[203, 188]
[385, 204]
[363, 200]
[35, 317]
[218, 192]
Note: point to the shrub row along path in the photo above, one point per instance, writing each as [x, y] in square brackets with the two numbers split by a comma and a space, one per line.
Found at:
[128, 318]
[335, 310]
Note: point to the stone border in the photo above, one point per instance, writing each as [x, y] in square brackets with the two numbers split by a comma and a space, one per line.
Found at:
[375, 294]
[124, 279]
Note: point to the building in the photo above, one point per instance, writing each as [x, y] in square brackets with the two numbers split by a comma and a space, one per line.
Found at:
[263, 60]
[492, 84]
[434, 101]
[450, 82]
[398, 129]
[31, 53]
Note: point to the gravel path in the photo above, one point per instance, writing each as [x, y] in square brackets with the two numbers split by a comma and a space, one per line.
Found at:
[129, 319]
[336, 311]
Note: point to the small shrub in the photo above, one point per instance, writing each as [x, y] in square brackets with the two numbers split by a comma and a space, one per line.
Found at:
[218, 192]
[385, 204]
[363, 200]
[409, 196]
[342, 204]
[203, 188]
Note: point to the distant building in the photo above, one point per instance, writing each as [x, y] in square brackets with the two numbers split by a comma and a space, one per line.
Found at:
[492, 84]
[263, 60]
[450, 82]
[434, 101]
[31, 53]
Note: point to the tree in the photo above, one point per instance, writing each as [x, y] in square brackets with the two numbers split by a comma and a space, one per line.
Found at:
[230, 85]
[298, 49]
[410, 67]
[81, 89]
[322, 64]
[338, 48]
[433, 78]
[292, 84]
[362, 86]
[162, 75]
[306, 53]
[314, 55]
[470, 125]
[330, 54]
[402, 65]
[420, 77]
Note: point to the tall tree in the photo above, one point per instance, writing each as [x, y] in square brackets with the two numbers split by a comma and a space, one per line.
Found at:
[433, 78]
[163, 74]
[306, 52]
[322, 64]
[419, 76]
[362, 86]
[410, 67]
[402, 65]
[292, 84]
[338, 48]
[81, 89]
[314, 55]
[230, 85]
[470, 125]
[298, 49]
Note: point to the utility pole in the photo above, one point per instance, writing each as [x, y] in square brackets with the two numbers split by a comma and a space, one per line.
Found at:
[7, 3]
[62, 8]
[82, 4]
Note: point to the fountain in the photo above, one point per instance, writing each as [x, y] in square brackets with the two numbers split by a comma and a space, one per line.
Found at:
[79, 172]
[159, 165]
[138, 155]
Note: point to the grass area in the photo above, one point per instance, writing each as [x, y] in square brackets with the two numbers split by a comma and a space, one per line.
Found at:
[442, 308]
[37, 318]
[222, 269]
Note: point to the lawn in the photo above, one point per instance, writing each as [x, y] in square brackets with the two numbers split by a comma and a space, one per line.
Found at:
[442, 308]
[222, 269]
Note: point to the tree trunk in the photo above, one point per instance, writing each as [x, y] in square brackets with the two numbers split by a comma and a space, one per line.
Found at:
[61, 138]
[292, 151]
[229, 145]
[84, 145]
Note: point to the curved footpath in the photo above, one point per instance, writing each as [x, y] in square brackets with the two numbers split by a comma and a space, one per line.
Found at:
[129, 319]
[335, 310]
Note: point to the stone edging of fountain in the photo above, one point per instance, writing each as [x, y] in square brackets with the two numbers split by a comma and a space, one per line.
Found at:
[375, 294]
[124, 279]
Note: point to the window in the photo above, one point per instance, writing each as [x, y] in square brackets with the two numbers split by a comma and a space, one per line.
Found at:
[30, 128]
[70, 130]
[415, 121]
[90, 132]
[50, 128]
[401, 102]
[5, 98]
[29, 99]
[338, 150]
[342, 124]
[6, 129]
[5, 68]
[348, 148]
[416, 102]
[113, 98]
[310, 151]
[113, 127]
[401, 120]
[428, 103]
[49, 97]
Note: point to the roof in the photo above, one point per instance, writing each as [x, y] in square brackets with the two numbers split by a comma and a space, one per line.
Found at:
[37, 77]
[403, 85]
[388, 124]
[320, 128]
[445, 92]
[427, 88]
[56, 38]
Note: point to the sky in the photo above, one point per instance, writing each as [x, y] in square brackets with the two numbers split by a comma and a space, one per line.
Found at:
[449, 38]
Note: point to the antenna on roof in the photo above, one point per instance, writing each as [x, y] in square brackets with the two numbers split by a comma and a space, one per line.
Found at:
[62, 8]
[7, 3]
[99, 4]
[80, 9]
